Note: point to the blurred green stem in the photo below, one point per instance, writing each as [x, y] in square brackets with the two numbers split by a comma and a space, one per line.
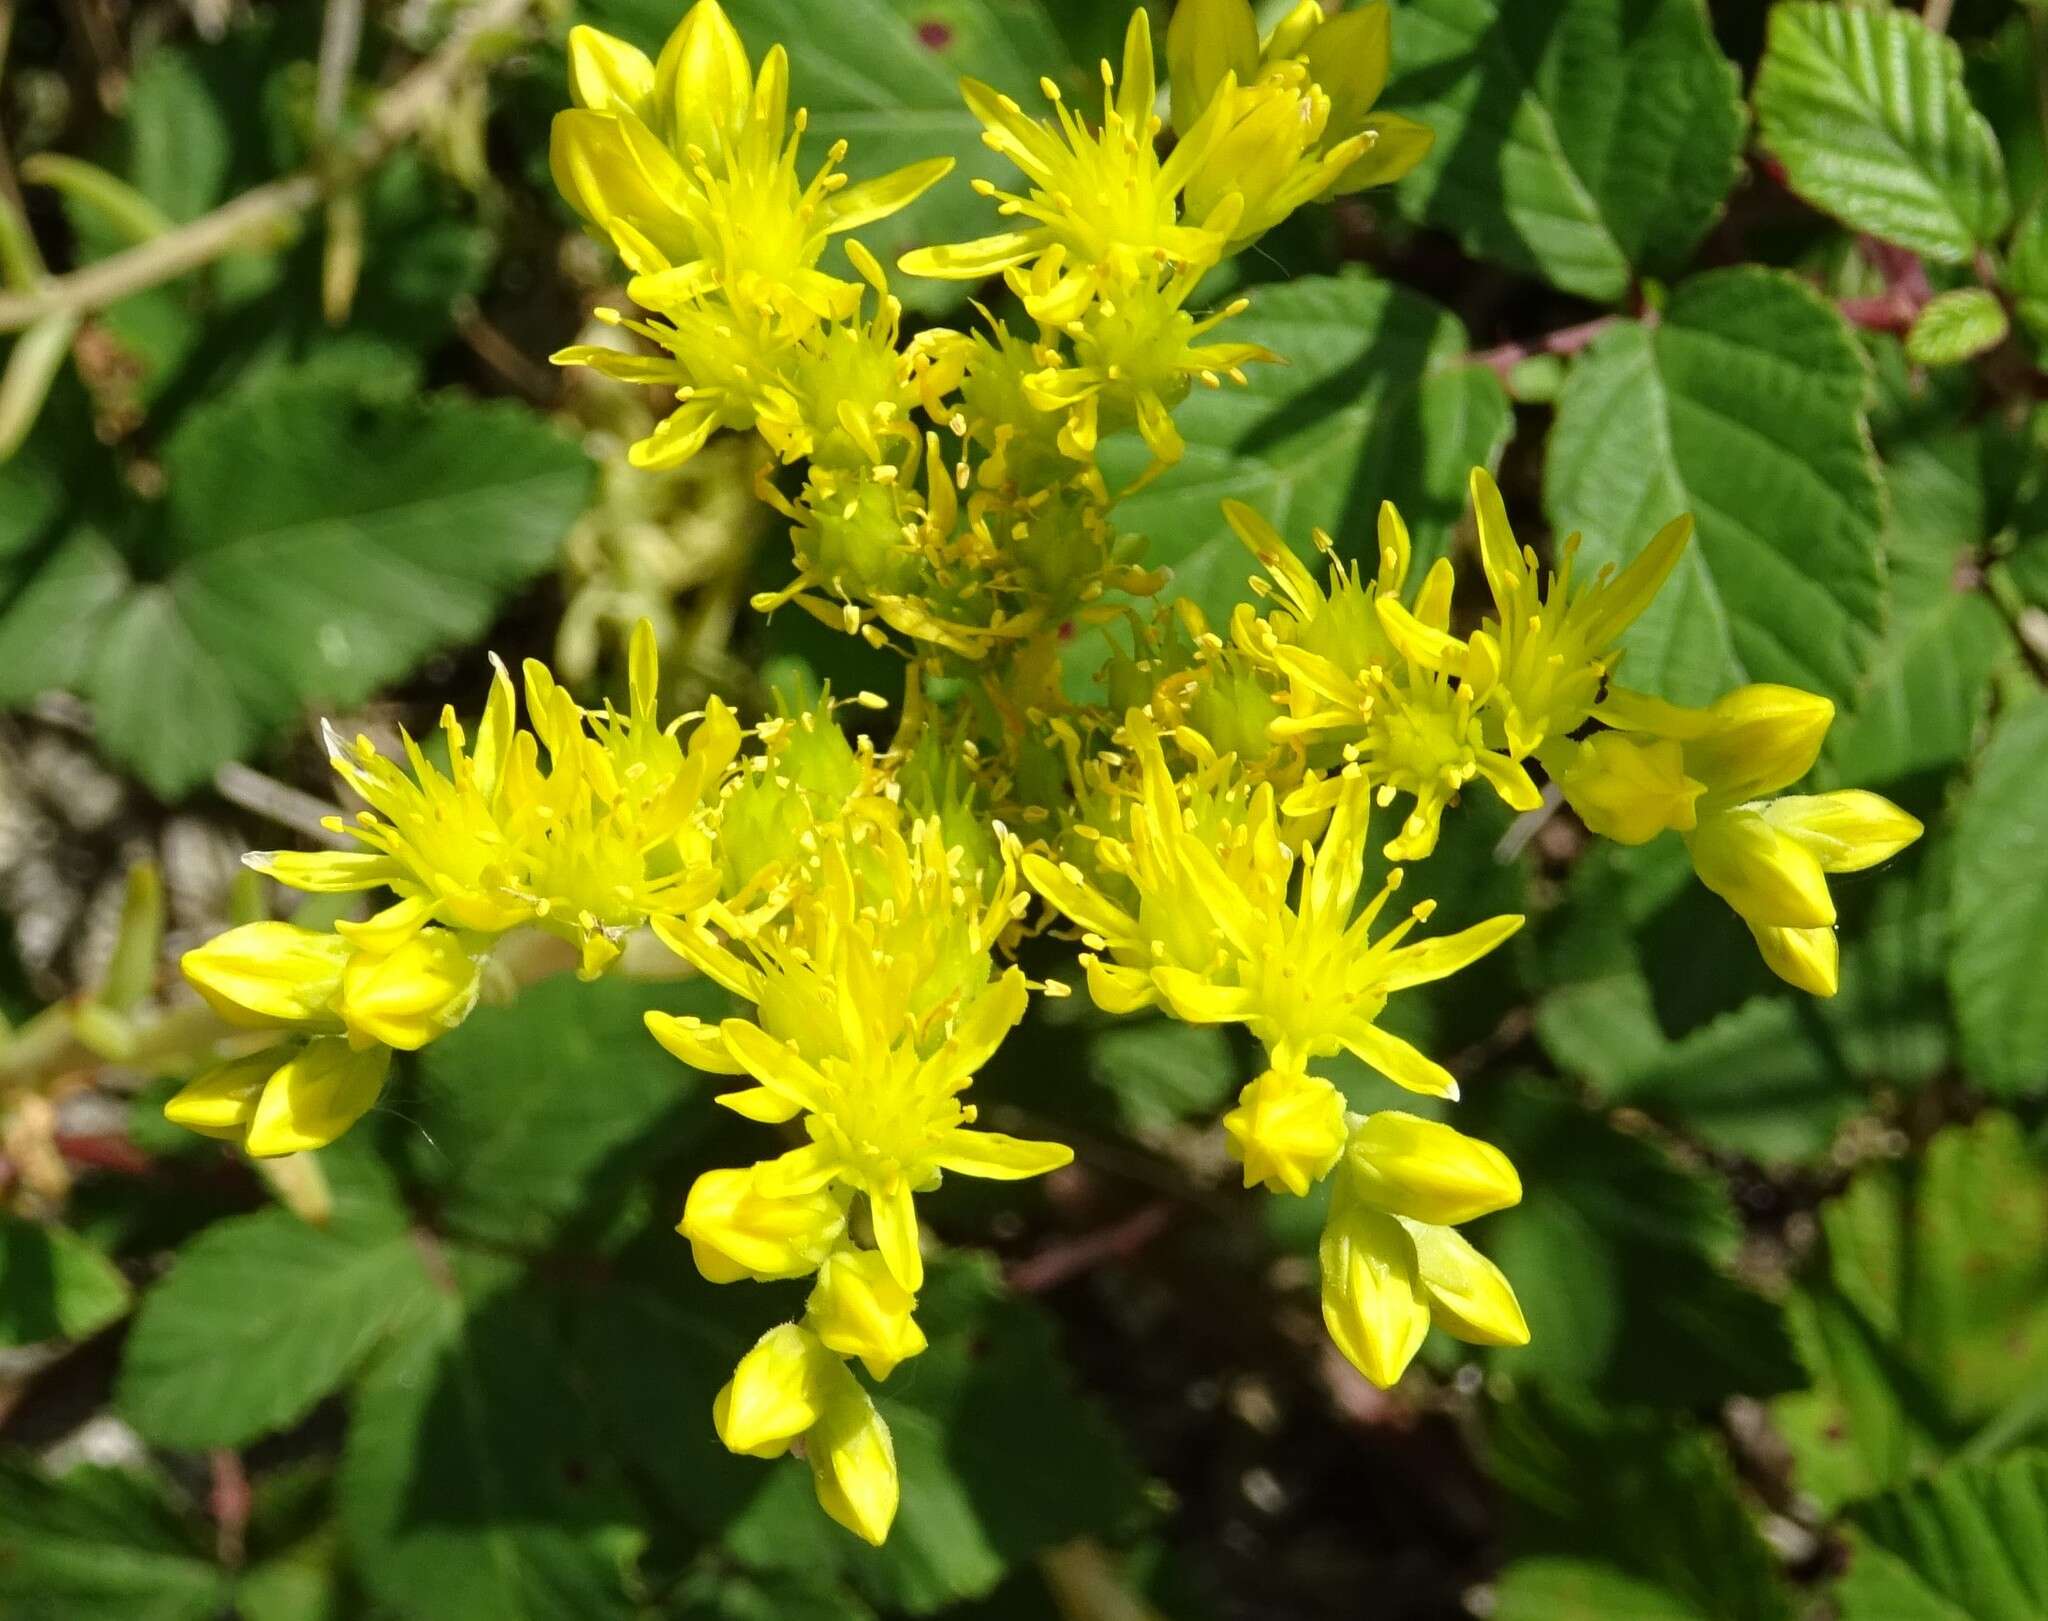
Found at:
[273, 209]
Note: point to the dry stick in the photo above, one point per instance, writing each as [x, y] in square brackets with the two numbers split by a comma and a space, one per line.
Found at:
[274, 207]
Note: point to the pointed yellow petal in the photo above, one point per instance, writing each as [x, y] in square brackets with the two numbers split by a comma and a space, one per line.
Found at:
[738, 1231]
[700, 1045]
[775, 1064]
[972, 261]
[777, 1392]
[1444, 954]
[876, 199]
[1809, 959]
[1845, 831]
[1764, 875]
[605, 72]
[1400, 1062]
[998, 1157]
[895, 1219]
[1469, 1297]
[324, 872]
[264, 975]
[853, 1462]
[223, 1100]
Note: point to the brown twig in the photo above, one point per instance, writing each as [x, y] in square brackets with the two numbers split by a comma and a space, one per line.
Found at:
[273, 208]
[229, 1501]
[1567, 340]
[1068, 1259]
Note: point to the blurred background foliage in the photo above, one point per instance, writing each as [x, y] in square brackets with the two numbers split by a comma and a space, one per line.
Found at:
[281, 442]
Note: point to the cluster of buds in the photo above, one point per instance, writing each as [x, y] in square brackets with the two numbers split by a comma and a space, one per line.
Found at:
[1204, 829]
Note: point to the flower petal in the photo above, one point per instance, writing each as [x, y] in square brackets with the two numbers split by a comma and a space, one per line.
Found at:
[999, 1157]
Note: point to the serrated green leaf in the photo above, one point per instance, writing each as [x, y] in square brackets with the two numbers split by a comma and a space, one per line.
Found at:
[1923, 699]
[884, 75]
[1744, 406]
[315, 545]
[1957, 326]
[1971, 1544]
[1931, 1318]
[1656, 997]
[97, 1544]
[514, 1139]
[261, 1316]
[2001, 926]
[474, 1485]
[54, 1284]
[1866, 109]
[1618, 1257]
[1378, 402]
[1586, 143]
[1648, 1496]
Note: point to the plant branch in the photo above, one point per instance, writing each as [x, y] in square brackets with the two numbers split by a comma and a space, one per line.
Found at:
[1568, 340]
[273, 208]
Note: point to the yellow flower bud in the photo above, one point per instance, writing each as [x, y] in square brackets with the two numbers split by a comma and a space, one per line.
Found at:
[1287, 1129]
[1348, 56]
[1469, 1298]
[703, 82]
[859, 1309]
[736, 1231]
[606, 74]
[853, 1460]
[1844, 831]
[316, 1095]
[1808, 959]
[1408, 1166]
[775, 1394]
[1628, 790]
[1373, 1300]
[1760, 738]
[407, 997]
[265, 975]
[1767, 877]
[222, 1101]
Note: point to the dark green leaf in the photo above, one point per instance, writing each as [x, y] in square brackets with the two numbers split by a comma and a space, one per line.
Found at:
[315, 545]
[1971, 1544]
[99, 1544]
[1743, 406]
[2001, 926]
[474, 1486]
[263, 1315]
[1865, 107]
[1586, 143]
[54, 1285]
[1619, 1259]
[1647, 1496]
[1931, 1321]
[531, 1113]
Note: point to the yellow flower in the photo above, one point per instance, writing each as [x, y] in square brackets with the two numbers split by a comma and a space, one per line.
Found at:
[1287, 1130]
[1767, 858]
[1392, 1262]
[875, 1009]
[1217, 946]
[1298, 120]
[1134, 362]
[859, 1309]
[1105, 210]
[689, 166]
[1622, 789]
[737, 1231]
[1549, 647]
[1386, 681]
[287, 1099]
[791, 1388]
[885, 1122]
[609, 836]
[270, 976]
[409, 996]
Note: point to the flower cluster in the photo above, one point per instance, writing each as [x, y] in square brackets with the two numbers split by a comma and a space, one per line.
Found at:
[1205, 830]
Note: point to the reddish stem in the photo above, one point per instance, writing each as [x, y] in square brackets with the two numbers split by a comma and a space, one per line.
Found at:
[1058, 1263]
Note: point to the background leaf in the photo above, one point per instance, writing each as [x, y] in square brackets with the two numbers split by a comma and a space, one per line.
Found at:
[1971, 1544]
[97, 1544]
[2001, 928]
[1742, 405]
[54, 1284]
[1585, 143]
[1865, 107]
